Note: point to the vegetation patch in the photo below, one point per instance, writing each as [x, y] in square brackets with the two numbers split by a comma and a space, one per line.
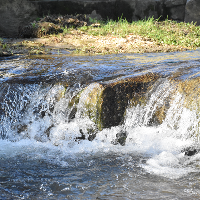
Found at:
[83, 35]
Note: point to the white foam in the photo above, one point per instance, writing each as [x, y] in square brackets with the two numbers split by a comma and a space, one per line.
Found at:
[168, 165]
[161, 144]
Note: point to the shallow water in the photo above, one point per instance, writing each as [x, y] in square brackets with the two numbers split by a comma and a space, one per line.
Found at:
[41, 157]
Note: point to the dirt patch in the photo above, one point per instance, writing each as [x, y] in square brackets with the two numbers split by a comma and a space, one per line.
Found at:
[112, 44]
[78, 42]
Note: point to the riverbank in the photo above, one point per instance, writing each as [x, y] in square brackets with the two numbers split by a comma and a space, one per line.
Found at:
[96, 37]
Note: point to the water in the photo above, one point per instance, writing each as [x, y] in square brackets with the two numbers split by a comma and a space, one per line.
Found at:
[51, 149]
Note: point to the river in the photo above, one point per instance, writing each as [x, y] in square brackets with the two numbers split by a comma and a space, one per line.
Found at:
[50, 150]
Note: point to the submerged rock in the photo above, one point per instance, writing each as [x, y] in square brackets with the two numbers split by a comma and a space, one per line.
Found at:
[116, 97]
[191, 151]
[121, 138]
[105, 103]
[90, 134]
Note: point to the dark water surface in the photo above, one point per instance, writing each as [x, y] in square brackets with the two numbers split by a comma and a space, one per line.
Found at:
[40, 157]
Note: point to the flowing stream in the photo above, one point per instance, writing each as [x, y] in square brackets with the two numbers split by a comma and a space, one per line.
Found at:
[51, 148]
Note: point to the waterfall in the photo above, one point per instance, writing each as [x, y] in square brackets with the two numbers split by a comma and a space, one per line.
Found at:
[58, 113]
[111, 127]
[154, 119]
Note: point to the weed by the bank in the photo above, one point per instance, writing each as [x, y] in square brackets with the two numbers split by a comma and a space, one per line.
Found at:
[66, 30]
[166, 32]
[4, 46]
[33, 24]
[119, 28]
[169, 32]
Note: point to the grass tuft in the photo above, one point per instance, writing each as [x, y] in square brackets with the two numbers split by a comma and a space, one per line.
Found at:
[166, 32]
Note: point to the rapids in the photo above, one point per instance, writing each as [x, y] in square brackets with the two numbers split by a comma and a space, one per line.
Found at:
[51, 146]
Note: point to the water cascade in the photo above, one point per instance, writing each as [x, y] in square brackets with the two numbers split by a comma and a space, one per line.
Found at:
[135, 127]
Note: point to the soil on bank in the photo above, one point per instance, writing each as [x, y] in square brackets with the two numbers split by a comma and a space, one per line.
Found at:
[64, 33]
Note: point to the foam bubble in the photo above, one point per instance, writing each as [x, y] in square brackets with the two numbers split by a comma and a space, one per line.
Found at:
[168, 165]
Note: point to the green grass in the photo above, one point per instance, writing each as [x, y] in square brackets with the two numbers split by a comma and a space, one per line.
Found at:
[165, 32]
[4, 46]
[66, 30]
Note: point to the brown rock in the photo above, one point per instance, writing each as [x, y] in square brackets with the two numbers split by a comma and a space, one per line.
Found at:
[105, 103]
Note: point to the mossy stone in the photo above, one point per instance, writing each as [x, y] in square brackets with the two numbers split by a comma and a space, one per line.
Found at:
[105, 103]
